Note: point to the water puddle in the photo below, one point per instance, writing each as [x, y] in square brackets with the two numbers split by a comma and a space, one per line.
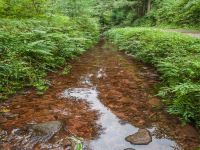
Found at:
[114, 130]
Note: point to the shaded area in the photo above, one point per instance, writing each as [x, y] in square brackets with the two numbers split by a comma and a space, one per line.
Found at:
[106, 97]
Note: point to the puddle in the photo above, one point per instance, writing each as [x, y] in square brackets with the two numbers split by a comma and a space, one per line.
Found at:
[114, 130]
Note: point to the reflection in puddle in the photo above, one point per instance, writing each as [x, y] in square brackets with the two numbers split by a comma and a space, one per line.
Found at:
[101, 73]
[114, 132]
[86, 80]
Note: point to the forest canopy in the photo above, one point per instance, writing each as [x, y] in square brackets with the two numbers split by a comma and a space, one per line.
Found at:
[111, 12]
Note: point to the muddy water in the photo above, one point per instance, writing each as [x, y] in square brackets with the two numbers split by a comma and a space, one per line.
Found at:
[106, 97]
[114, 131]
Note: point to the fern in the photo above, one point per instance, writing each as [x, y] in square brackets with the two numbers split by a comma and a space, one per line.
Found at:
[177, 59]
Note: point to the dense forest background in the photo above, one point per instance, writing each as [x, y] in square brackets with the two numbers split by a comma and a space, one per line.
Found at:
[38, 36]
[181, 13]
[173, 13]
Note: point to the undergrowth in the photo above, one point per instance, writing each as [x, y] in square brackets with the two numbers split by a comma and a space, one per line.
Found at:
[172, 14]
[29, 48]
[177, 59]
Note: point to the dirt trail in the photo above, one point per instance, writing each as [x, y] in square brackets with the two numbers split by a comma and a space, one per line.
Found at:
[192, 33]
[106, 97]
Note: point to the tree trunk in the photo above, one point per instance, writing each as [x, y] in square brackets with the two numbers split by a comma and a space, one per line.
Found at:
[148, 6]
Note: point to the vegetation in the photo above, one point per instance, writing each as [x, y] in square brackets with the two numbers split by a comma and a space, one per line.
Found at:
[176, 57]
[172, 13]
[30, 47]
[120, 12]
[164, 13]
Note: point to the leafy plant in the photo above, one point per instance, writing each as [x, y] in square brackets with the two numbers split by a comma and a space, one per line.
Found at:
[31, 47]
[66, 70]
[77, 142]
[176, 57]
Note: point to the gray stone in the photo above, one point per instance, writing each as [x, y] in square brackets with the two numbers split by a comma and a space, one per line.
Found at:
[27, 137]
[45, 131]
[2, 119]
[10, 115]
[3, 135]
[142, 137]
[46, 128]
[129, 149]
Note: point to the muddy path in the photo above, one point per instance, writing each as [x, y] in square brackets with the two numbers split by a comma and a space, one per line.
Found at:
[106, 97]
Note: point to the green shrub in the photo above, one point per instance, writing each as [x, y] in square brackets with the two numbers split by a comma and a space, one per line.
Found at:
[29, 48]
[176, 57]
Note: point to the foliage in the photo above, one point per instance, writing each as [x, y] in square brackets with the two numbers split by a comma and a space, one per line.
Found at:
[31, 47]
[37, 36]
[74, 8]
[177, 13]
[22, 8]
[66, 70]
[78, 142]
[120, 12]
[172, 13]
[41, 8]
[176, 57]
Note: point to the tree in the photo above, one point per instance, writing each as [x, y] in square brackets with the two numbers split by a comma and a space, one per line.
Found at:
[148, 6]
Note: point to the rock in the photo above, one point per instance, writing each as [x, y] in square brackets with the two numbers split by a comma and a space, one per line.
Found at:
[114, 94]
[45, 131]
[129, 149]
[154, 102]
[141, 122]
[125, 81]
[145, 68]
[18, 106]
[10, 115]
[40, 133]
[142, 137]
[3, 135]
[66, 143]
[2, 119]
[35, 134]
